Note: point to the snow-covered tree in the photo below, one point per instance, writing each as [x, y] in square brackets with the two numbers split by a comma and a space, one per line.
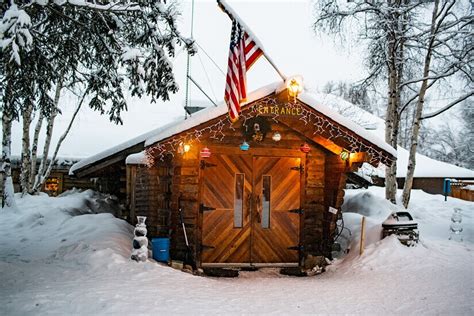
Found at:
[445, 44]
[356, 94]
[383, 25]
[413, 46]
[96, 49]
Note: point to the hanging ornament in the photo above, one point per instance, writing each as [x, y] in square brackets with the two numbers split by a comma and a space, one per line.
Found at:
[205, 152]
[305, 148]
[244, 146]
[344, 155]
[276, 137]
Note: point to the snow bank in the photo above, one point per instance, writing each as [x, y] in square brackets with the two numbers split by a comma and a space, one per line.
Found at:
[357, 204]
[58, 257]
[64, 227]
[431, 212]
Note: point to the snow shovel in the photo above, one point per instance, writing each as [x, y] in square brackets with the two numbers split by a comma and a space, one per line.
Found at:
[188, 258]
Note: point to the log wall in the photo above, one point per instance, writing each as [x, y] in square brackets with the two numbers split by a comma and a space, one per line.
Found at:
[149, 194]
[322, 170]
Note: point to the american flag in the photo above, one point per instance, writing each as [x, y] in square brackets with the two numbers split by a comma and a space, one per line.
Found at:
[242, 55]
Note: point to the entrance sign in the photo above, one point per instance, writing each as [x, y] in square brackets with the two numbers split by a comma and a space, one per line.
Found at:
[279, 110]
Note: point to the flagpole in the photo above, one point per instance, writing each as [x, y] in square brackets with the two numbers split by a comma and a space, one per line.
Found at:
[283, 77]
[233, 15]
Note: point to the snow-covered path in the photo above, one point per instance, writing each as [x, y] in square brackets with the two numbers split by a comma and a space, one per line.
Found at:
[79, 265]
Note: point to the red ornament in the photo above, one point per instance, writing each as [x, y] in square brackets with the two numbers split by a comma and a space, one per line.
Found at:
[305, 148]
[205, 152]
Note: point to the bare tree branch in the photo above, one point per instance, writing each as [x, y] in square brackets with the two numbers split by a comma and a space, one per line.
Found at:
[447, 107]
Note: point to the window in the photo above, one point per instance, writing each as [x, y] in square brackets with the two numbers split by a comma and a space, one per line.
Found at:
[52, 186]
[239, 200]
[267, 187]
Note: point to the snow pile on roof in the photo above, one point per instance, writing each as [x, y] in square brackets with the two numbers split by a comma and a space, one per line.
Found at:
[54, 263]
[311, 100]
[136, 159]
[60, 161]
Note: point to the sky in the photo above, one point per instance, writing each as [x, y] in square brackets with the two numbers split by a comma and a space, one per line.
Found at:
[283, 28]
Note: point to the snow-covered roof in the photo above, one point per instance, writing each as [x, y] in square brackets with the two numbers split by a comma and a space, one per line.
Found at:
[63, 162]
[113, 150]
[429, 168]
[317, 102]
[310, 99]
[171, 128]
[425, 166]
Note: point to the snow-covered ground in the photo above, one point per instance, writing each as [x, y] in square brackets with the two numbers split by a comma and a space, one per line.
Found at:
[58, 257]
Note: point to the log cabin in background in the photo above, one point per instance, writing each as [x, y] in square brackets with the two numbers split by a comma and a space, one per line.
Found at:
[58, 180]
[264, 191]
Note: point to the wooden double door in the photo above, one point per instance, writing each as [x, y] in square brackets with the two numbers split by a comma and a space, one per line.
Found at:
[250, 210]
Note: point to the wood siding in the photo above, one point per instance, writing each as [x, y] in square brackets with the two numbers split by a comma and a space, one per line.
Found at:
[150, 195]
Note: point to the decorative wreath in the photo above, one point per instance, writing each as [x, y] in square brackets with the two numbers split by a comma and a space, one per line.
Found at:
[256, 128]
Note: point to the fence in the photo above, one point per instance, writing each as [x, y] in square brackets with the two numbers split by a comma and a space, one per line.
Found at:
[463, 189]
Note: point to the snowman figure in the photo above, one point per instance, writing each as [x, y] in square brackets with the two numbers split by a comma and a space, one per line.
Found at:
[456, 225]
[140, 241]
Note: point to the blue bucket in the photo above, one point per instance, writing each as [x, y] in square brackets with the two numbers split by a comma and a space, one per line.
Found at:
[161, 249]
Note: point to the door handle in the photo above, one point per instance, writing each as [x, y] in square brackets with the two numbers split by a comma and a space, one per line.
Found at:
[249, 205]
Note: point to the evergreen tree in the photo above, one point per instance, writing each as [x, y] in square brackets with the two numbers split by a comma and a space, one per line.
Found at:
[99, 48]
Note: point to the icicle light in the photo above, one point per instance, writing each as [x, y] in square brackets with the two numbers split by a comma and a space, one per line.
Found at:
[321, 125]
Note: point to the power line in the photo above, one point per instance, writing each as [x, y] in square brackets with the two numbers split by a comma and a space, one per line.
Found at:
[210, 58]
[207, 76]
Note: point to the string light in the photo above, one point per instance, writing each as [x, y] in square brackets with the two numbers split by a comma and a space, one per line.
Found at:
[274, 109]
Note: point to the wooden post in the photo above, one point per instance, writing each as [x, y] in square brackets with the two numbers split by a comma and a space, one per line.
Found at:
[362, 236]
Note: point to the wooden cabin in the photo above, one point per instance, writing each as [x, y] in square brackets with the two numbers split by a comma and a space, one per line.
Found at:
[58, 180]
[263, 191]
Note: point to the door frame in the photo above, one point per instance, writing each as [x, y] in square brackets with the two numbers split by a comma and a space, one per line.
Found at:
[253, 152]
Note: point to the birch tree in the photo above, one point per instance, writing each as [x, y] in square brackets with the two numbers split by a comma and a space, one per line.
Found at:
[447, 51]
[102, 48]
[383, 26]
[400, 38]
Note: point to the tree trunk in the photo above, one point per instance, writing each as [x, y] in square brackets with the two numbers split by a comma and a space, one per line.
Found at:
[390, 121]
[34, 151]
[396, 47]
[25, 150]
[49, 135]
[419, 110]
[8, 198]
[45, 175]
